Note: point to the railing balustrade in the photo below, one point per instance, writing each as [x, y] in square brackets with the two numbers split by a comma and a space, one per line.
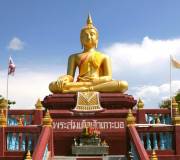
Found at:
[21, 139]
[46, 155]
[135, 146]
[26, 116]
[152, 116]
[156, 137]
[158, 118]
[44, 148]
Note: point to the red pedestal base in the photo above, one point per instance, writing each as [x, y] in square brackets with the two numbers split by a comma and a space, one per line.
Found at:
[111, 121]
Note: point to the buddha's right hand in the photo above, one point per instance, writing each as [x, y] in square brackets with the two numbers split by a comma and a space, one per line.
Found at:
[58, 85]
[64, 79]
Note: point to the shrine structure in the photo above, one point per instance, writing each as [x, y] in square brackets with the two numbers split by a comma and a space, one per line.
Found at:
[91, 118]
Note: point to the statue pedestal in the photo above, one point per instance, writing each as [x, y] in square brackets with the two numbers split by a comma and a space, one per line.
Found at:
[107, 100]
[68, 124]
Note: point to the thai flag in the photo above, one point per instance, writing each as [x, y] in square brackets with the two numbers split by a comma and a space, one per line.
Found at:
[11, 67]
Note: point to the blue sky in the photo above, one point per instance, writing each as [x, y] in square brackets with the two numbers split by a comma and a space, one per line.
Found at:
[48, 32]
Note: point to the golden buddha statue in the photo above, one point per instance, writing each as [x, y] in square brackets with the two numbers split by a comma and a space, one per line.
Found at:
[95, 72]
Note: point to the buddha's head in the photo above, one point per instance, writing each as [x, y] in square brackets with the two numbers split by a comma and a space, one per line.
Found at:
[89, 35]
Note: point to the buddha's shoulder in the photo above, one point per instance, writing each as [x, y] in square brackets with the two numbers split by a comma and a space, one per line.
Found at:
[75, 55]
[102, 55]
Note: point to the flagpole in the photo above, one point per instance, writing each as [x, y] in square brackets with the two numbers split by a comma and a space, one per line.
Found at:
[7, 87]
[170, 76]
[7, 91]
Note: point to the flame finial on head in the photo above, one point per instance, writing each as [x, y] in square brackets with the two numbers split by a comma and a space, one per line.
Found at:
[89, 20]
[89, 23]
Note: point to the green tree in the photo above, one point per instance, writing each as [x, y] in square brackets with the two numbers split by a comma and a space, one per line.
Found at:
[167, 102]
[177, 98]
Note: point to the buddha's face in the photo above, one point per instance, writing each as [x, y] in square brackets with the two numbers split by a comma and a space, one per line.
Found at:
[89, 38]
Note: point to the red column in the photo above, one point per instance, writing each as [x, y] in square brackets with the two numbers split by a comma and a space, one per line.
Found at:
[141, 116]
[177, 139]
[50, 144]
[2, 141]
[38, 116]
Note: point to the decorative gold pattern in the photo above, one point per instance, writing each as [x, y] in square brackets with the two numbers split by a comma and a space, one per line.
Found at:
[140, 104]
[39, 105]
[88, 101]
[153, 156]
[3, 121]
[47, 120]
[131, 120]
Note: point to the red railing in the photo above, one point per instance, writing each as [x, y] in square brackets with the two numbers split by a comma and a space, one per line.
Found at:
[170, 153]
[136, 141]
[141, 114]
[36, 115]
[45, 139]
[33, 131]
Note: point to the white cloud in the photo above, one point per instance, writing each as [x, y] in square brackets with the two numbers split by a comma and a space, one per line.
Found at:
[154, 94]
[146, 53]
[16, 44]
[26, 86]
[145, 66]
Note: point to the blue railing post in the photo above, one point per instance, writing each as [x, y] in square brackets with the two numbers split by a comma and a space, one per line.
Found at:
[148, 142]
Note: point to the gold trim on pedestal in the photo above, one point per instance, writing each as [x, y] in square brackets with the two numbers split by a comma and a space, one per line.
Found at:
[88, 101]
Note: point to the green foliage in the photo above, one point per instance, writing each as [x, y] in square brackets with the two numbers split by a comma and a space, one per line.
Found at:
[9, 101]
[167, 103]
[177, 98]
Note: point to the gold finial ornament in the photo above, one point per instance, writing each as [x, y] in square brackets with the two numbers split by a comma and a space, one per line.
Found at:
[20, 123]
[91, 28]
[89, 20]
[28, 155]
[158, 120]
[175, 106]
[39, 105]
[153, 156]
[140, 104]
[3, 121]
[131, 120]
[176, 120]
[3, 103]
[176, 116]
[47, 120]
[89, 24]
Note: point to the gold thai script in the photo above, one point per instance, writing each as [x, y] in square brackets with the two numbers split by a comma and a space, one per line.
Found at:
[76, 125]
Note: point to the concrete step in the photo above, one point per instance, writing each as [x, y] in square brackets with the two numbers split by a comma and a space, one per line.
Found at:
[109, 157]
